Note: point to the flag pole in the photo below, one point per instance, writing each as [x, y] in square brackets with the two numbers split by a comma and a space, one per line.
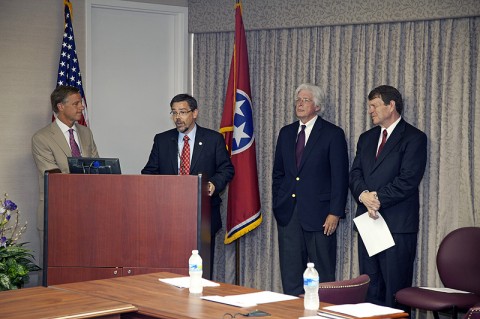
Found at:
[237, 262]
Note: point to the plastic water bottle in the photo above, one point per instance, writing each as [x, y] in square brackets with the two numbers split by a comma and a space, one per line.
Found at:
[311, 300]
[195, 271]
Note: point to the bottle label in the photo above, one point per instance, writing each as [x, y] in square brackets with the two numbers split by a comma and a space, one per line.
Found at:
[310, 281]
[194, 267]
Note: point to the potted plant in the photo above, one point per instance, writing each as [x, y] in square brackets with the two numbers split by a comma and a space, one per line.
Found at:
[16, 261]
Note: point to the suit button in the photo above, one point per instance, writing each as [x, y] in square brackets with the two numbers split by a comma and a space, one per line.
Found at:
[293, 195]
[298, 178]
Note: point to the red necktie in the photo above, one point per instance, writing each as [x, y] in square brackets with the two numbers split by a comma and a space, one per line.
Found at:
[185, 157]
[300, 146]
[74, 145]
[382, 144]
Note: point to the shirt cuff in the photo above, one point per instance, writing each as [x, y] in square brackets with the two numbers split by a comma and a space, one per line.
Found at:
[359, 196]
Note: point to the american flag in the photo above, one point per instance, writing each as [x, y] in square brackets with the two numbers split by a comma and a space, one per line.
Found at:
[68, 68]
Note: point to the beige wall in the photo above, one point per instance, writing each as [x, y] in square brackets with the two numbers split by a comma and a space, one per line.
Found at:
[30, 37]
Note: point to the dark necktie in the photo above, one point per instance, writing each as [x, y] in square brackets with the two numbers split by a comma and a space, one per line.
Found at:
[73, 145]
[300, 146]
[185, 157]
[382, 144]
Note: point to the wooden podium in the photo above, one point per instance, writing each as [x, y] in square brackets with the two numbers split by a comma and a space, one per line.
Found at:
[104, 226]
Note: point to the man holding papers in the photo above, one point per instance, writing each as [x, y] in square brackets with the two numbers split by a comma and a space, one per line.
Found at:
[387, 169]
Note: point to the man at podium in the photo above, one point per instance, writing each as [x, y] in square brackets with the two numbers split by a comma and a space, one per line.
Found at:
[62, 138]
[190, 149]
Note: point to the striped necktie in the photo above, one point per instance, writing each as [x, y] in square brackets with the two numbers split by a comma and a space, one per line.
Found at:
[73, 145]
[300, 146]
[382, 144]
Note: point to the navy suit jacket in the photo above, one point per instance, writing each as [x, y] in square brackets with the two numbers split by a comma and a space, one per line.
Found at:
[209, 157]
[320, 186]
[395, 175]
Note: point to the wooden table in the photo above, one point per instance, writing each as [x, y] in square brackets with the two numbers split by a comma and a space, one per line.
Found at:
[42, 302]
[155, 299]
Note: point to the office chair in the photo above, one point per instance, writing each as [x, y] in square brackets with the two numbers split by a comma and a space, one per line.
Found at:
[348, 291]
[458, 264]
[473, 313]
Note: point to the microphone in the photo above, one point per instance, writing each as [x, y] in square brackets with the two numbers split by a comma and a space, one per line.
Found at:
[174, 140]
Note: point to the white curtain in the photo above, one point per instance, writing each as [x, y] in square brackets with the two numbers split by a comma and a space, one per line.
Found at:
[434, 64]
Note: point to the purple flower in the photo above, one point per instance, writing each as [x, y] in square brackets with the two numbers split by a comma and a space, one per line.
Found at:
[3, 241]
[10, 205]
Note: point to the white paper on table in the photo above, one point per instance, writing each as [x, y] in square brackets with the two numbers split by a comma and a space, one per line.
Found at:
[328, 315]
[374, 232]
[447, 290]
[184, 282]
[251, 299]
[365, 309]
[230, 300]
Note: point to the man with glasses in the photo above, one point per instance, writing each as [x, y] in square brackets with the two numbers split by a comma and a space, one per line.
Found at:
[310, 186]
[190, 149]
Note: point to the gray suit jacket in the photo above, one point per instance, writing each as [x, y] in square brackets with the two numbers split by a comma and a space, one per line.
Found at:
[50, 151]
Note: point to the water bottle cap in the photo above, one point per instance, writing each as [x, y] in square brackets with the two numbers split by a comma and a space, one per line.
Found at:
[310, 265]
[195, 252]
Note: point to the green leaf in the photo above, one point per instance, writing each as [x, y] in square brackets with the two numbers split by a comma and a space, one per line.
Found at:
[16, 262]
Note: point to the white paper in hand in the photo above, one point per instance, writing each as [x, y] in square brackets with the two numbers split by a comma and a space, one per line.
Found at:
[374, 232]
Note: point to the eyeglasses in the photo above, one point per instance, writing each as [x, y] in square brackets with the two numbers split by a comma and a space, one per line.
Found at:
[304, 100]
[255, 313]
[180, 113]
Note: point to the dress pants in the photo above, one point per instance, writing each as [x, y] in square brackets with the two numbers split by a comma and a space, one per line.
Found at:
[297, 247]
[389, 270]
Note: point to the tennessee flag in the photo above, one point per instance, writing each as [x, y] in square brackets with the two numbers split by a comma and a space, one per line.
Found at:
[69, 68]
[243, 208]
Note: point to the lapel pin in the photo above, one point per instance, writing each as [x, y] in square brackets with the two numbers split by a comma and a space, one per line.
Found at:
[200, 143]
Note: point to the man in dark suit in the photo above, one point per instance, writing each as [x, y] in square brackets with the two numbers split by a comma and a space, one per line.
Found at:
[207, 154]
[384, 178]
[310, 186]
